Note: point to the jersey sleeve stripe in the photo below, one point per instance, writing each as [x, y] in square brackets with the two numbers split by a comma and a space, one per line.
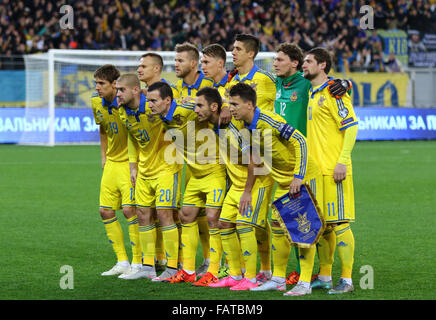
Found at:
[185, 106]
[269, 75]
[349, 125]
[340, 104]
[270, 121]
[303, 148]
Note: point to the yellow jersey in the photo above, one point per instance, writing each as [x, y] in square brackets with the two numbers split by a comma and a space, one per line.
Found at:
[234, 143]
[262, 82]
[106, 115]
[327, 118]
[193, 138]
[223, 89]
[146, 143]
[283, 149]
[184, 90]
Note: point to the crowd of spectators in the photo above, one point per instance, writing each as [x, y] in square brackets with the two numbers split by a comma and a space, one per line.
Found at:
[33, 26]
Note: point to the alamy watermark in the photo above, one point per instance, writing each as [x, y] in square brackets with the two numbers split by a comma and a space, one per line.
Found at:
[67, 280]
[67, 20]
[367, 280]
[367, 20]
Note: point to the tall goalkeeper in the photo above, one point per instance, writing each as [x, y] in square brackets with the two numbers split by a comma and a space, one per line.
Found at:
[292, 96]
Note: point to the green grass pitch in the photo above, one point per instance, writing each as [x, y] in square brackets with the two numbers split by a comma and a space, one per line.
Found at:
[49, 219]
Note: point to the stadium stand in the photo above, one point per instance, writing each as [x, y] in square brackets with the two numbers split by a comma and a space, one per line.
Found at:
[33, 26]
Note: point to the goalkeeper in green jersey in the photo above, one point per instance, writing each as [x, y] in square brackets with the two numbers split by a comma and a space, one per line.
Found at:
[292, 96]
[292, 89]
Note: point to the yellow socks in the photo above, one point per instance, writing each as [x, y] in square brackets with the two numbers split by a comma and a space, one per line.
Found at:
[307, 258]
[160, 250]
[116, 238]
[232, 250]
[216, 251]
[263, 237]
[190, 237]
[147, 238]
[203, 228]
[345, 247]
[132, 226]
[326, 251]
[170, 236]
[247, 236]
[280, 252]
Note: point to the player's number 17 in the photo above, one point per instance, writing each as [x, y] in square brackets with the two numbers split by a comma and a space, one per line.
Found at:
[217, 192]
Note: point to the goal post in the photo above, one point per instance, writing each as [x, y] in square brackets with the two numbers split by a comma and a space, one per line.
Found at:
[59, 85]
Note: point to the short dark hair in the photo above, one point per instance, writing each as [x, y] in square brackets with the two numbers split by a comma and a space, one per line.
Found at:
[156, 57]
[251, 43]
[245, 91]
[322, 55]
[211, 95]
[163, 88]
[215, 50]
[190, 48]
[293, 51]
[130, 79]
[107, 72]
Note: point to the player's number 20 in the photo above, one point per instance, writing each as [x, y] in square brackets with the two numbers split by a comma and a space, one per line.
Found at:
[165, 195]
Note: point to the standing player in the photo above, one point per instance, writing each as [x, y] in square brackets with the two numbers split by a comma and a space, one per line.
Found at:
[207, 184]
[292, 89]
[150, 71]
[116, 191]
[190, 81]
[156, 181]
[292, 96]
[245, 49]
[237, 229]
[283, 150]
[213, 65]
[331, 134]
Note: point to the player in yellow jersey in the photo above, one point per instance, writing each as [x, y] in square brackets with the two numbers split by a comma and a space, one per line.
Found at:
[156, 181]
[213, 65]
[190, 81]
[245, 49]
[331, 134]
[116, 190]
[150, 71]
[232, 224]
[282, 150]
[207, 184]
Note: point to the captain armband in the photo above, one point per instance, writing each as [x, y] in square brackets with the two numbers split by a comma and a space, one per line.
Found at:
[286, 131]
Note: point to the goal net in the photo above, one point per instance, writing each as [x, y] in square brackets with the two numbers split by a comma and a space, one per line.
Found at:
[59, 85]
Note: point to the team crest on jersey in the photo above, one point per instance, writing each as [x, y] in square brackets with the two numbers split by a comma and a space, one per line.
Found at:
[321, 101]
[99, 116]
[303, 223]
[151, 118]
[294, 96]
[128, 125]
[177, 119]
[343, 113]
